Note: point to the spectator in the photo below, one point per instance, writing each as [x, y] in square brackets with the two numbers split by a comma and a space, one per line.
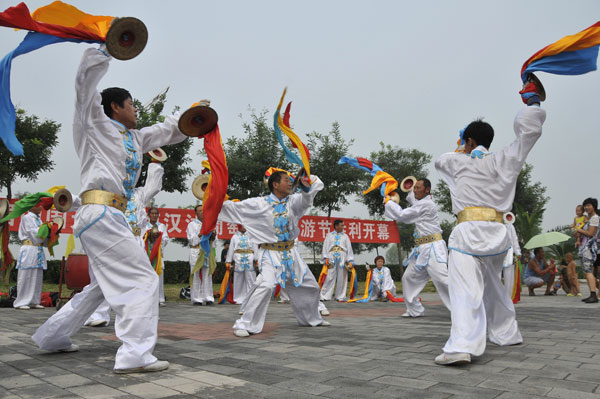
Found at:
[589, 248]
[539, 272]
[568, 276]
[225, 250]
[578, 223]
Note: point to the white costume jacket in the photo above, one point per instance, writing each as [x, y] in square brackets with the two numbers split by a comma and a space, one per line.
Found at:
[489, 182]
[382, 279]
[193, 230]
[338, 258]
[269, 220]
[110, 155]
[423, 213]
[31, 256]
[243, 261]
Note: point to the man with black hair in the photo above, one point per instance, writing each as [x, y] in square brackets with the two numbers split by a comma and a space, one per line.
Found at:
[150, 233]
[482, 186]
[337, 254]
[272, 222]
[429, 257]
[110, 151]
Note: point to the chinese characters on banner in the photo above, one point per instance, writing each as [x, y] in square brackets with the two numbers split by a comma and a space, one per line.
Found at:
[312, 228]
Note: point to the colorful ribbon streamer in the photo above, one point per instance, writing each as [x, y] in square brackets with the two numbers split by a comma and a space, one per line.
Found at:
[392, 298]
[226, 289]
[216, 191]
[154, 252]
[572, 55]
[7, 257]
[353, 283]
[43, 199]
[368, 289]
[55, 23]
[323, 275]
[283, 124]
[382, 180]
[516, 293]
[49, 230]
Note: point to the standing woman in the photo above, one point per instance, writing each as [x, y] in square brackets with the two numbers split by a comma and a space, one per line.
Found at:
[589, 248]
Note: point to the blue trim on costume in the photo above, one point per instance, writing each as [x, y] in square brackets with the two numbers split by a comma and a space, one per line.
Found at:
[92, 223]
[480, 256]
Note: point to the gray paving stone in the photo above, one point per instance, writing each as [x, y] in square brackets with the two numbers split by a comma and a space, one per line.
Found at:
[559, 357]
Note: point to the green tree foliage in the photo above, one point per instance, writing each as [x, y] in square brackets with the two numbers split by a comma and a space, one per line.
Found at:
[340, 182]
[558, 251]
[176, 169]
[249, 156]
[528, 205]
[39, 139]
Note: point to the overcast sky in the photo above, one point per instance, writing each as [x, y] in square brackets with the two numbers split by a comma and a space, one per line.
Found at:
[410, 74]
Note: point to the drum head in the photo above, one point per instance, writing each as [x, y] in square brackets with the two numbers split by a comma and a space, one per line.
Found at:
[158, 155]
[198, 121]
[199, 186]
[3, 207]
[126, 38]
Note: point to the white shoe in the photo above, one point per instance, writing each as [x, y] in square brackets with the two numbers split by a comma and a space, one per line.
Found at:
[240, 313]
[38, 307]
[238, 332]
[406, 314]
[158, 365]
[98, 323]
[161, 304]
[72, 348]
[24, 307]
[453, 358]
[324, 324]
[324, 312]
[282, 301]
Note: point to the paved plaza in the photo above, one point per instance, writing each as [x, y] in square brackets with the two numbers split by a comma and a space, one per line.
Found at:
[369, 351]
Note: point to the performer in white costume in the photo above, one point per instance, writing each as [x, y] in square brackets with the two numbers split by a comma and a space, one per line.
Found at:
[137, 217]
[482, 187]
[201, 291]
[429, 258]
[509, 264]
[242, 254]
[31, 262]
[110, 151]
[153, 214]
[381, 280]
[272, 221]
[337, 253]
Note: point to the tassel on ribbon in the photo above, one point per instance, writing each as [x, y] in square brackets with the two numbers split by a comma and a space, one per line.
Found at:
[323, 275]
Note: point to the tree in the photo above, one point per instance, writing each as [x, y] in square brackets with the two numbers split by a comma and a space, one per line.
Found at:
[398, 162]
[529, 202]
[250, 156]
[39, 139]
[176, 169]
[340, 182]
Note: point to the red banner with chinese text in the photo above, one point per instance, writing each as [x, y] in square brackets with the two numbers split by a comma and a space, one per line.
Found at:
[312, 228]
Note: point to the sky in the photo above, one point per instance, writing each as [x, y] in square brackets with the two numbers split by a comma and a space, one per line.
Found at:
[410, 74]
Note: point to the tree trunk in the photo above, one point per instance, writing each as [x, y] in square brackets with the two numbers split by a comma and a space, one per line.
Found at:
[9, 191]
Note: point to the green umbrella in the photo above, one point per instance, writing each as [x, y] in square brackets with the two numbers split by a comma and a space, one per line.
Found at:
[546, 239]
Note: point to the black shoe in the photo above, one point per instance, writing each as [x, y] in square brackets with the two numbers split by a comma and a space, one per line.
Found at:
[209, 303]
[592, 299]
[197, 303]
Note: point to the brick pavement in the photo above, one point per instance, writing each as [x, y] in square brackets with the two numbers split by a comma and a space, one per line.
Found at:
[368, 352]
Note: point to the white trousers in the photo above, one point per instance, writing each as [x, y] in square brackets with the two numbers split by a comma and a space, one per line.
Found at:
[508, 274]
[283, 295]
[243, 281]
[414, 280]
[102, 312]
[202, 289]
[304, 300]
[161, 287]
[29, 287]
[337, 277]
[124, 277]
[479, 304]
